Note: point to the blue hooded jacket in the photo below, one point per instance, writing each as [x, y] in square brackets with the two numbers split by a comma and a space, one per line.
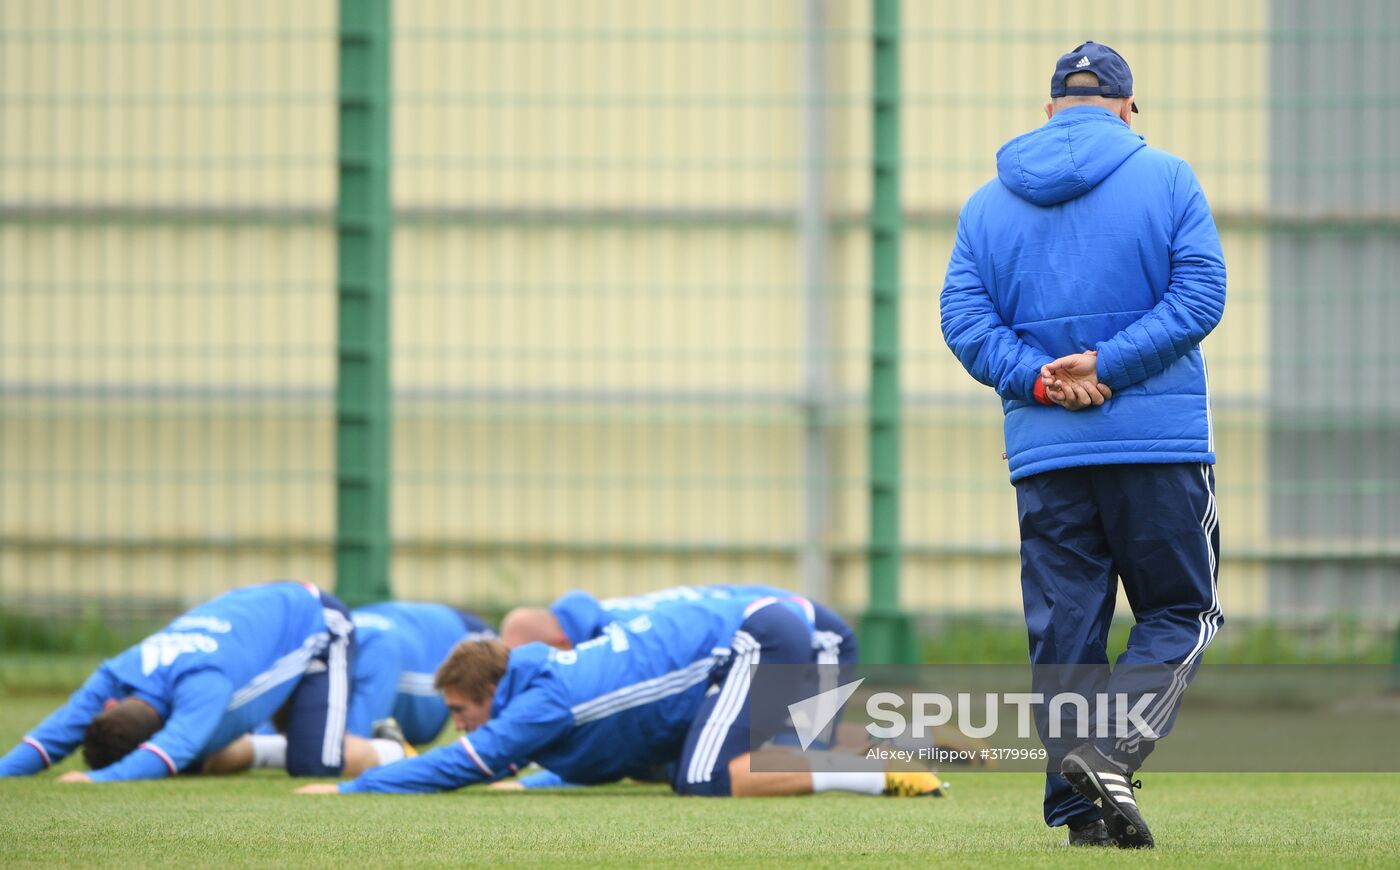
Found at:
[212, 675]
[616, 706]
[1088, 239]
[401, 644]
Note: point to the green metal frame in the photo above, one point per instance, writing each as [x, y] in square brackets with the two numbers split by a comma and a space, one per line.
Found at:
[887, 633]
[1395, 663]
[364, 228]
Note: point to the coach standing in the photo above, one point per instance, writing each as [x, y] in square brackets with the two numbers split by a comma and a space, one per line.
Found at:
[1082, 281]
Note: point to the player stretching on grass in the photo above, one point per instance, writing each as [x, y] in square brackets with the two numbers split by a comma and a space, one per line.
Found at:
[392, 700]
[166, 705]
[577, 616]
[402, 643]
[655, 691]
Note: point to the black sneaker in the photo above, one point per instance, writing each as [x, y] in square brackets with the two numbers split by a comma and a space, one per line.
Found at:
[388, 729]
[1109, 786]
[1089, 834]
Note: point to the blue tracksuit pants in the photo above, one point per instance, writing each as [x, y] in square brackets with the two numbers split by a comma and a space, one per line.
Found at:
[1082, 530]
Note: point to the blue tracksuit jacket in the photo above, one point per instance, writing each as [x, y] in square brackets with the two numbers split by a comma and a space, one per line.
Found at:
[1088, 239]
[401, 644]
[212, 675]
[615, 706]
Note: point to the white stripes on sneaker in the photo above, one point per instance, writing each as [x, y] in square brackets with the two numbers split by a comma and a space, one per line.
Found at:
[1119, 787]
[730, 703]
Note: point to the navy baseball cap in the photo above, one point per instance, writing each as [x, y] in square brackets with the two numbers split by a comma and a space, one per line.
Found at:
[1115, 79]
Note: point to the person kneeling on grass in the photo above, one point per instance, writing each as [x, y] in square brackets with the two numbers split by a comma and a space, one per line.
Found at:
[171, 703]
[393, 704]
[656, 690]
[578, 616]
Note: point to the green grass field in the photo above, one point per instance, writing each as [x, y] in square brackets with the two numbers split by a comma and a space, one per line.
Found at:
[1200, 820]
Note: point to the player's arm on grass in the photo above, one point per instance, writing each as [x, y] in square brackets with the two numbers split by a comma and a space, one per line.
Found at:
[546, 779]
[62, 731]
[195, 712]
[1192, 305]
[532, 721]
[990, 350]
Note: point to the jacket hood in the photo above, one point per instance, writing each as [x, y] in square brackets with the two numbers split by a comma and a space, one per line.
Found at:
[525, 664]
[1067, 156]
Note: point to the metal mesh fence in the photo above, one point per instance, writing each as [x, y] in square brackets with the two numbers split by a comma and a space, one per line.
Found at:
[605, 355]
[166, 316]
[631, 296]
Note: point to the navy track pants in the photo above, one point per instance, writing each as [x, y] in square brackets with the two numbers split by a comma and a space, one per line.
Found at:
[1082, 530]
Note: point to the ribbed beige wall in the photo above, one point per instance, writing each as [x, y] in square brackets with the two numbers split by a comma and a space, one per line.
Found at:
[631, 111]
[165, 102]
[144, 451]
[634, 111]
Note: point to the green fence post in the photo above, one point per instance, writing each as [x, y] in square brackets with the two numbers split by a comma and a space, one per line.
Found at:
[1395, 663]
[887, 634]
[363, 236]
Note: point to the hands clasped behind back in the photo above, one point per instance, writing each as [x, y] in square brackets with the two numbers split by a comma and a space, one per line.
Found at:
[1072, 382]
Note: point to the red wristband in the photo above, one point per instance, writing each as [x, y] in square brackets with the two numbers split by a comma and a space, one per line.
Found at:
[1040, 395]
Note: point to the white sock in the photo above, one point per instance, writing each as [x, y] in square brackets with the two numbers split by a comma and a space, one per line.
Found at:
[269, 751]
[865, 781]
[389, 751]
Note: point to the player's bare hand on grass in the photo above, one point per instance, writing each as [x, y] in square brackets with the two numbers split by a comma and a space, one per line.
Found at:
[1072, 382]
[75, 776]
[319, 788]
[509, 785]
